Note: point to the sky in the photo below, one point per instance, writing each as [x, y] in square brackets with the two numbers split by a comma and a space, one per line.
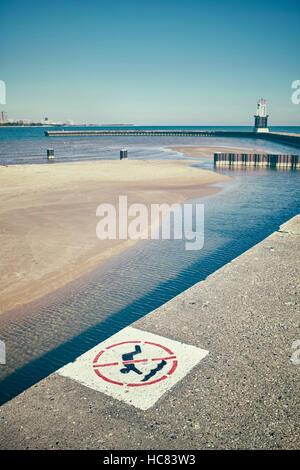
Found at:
[150, 62]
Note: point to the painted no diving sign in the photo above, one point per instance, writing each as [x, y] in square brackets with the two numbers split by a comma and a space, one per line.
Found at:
[134, 366]
[135, 363]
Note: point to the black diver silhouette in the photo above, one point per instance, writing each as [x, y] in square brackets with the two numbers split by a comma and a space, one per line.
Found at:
[153, 371]
[129, 357]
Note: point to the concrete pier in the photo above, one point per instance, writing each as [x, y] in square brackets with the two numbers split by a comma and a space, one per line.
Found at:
[244, 394]
[288, 162]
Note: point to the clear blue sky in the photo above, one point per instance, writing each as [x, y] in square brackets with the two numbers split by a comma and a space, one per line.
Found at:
[157, 62]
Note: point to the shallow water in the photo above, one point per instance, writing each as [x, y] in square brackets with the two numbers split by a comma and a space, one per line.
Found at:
[46, 334]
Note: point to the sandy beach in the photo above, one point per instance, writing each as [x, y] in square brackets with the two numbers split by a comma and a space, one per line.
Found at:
[48, 217]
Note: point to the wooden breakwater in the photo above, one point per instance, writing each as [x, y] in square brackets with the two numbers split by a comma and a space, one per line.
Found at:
[146, 132]
[289, 162]
[284, 138]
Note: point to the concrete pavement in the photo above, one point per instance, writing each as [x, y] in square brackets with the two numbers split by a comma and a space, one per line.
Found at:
[244, 394]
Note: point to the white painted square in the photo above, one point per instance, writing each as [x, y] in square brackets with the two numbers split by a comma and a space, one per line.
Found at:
[2, 353]
[134, 366]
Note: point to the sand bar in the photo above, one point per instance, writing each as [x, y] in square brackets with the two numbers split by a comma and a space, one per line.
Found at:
[207, 152]
[48, 217]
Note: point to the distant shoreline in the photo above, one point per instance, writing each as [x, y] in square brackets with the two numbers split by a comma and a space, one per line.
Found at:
[141, 126]
[64, 125]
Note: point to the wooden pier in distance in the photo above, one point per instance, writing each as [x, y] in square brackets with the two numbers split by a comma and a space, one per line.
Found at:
[280, 137]
[135, 132]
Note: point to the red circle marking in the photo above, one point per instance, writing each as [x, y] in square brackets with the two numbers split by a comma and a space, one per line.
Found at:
[97, 366]
[160, 346]
[97, 357]
[107, 379]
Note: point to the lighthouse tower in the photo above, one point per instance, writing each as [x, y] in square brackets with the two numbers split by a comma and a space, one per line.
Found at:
[261, 117]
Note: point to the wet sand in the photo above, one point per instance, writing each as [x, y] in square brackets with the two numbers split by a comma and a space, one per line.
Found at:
[48, 217]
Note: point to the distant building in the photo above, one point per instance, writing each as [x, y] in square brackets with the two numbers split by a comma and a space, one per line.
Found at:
[3, 116]
[261, 117]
